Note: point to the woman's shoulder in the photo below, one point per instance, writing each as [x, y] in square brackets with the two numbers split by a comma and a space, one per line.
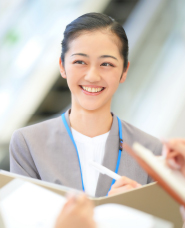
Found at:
[133, 134]
[42, 128]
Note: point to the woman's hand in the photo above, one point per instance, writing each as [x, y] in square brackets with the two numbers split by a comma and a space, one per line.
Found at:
[175, 154]
[124, 184]
[76, 213]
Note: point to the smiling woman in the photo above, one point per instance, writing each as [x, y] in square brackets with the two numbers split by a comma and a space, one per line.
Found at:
[87, 69]
[94, 62]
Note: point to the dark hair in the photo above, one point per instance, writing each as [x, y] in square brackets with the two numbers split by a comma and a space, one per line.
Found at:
[95, 21]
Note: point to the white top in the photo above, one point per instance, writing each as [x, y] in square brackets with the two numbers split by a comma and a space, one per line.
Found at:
[90, 149]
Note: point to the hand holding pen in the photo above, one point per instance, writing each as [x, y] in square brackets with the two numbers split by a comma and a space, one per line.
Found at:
[122, 184]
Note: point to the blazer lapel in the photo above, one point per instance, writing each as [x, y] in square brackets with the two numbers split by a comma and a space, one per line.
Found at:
[72, 169]
[110, 159]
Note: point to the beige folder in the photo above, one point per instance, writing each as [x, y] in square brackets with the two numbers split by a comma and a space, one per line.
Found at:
[150, 198]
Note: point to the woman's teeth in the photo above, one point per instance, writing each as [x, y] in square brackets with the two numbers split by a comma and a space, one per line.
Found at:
[92, 90]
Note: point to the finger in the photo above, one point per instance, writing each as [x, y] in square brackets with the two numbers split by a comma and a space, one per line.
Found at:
[172, 164]
[174, 142]
[173, 154]
[124, 181]
[69, 206]
[177, 157]
[71, 198]
[180, 147]
[84, 207]
[88, 208]
[74, 203]
[81, 199]
[69, 202]
[71, 194]
[82, 202]
[177, 140]
[86, 203]
[123, 189]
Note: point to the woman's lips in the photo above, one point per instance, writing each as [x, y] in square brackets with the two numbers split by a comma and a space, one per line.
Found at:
[92, 90]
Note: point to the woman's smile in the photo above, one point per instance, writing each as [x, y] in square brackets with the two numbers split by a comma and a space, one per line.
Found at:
[92, 90]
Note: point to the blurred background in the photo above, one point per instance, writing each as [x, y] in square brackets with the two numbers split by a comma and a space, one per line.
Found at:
[31, 89]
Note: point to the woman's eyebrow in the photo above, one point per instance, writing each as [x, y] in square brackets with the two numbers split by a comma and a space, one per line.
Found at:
[102, 56]
[82, 54]
[108, 56]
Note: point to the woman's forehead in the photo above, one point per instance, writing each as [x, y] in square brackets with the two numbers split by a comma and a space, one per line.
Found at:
[96, 41]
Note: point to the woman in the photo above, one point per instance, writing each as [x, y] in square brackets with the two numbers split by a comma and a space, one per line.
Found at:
[94, 61]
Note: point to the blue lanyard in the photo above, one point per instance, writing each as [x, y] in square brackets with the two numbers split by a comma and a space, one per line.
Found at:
[119, 154]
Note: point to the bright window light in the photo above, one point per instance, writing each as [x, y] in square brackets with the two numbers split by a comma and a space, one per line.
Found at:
[28, 56]
[5, 97]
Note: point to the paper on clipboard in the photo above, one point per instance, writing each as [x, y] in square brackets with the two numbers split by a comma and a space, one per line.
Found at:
[171, 180]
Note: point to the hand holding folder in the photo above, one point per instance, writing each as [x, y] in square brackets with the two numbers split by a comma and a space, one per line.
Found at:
[175, 154]
[171, 180]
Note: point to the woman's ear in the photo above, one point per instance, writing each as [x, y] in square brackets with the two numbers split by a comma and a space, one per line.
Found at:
[124, 74]
[62, 70]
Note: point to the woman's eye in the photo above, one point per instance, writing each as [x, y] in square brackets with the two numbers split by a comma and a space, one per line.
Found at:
[106, 64]
[79, 62]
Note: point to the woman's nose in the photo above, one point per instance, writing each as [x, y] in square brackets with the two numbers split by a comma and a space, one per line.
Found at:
[92, 75]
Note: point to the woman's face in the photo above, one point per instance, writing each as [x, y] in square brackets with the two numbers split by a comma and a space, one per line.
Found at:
[93, 68]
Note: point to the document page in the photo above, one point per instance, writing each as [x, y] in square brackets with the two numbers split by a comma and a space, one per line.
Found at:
[118, 216]
[30, 206]
[25, 205]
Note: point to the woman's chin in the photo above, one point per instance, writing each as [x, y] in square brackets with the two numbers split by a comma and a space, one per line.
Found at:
[91, 107]
[90, 104]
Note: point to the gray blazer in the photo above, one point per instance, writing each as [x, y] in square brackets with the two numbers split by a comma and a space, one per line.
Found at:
[45, 151]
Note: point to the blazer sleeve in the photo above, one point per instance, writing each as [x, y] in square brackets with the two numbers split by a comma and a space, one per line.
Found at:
[21, 161]
[157, 152]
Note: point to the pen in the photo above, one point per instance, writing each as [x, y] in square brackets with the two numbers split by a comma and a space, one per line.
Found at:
[104, 170]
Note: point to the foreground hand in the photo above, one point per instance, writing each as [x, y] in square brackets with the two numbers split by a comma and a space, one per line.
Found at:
[77, 212]
[175, 154]
[174, 150]
[124, 184]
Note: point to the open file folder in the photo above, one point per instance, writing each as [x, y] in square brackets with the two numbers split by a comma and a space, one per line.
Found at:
[150, 198]
[24, 204]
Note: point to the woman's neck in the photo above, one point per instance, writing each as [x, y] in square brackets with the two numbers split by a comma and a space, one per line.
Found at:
[91, 123]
